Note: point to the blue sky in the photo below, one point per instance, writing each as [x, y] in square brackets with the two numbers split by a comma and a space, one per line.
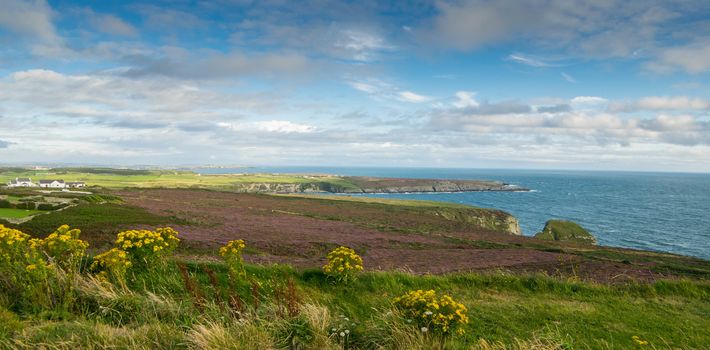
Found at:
[522, 84]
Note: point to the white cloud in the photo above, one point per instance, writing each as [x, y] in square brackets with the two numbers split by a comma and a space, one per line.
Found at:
[568, 78]
[580, 29]
[465, 99]
[269, 126]
[284, 126]
[692, 58]
[370, 89]
[659, 103]
[32, 18]
[113, 25]
[361, 45]
[528, 61]
[409, 96]
[381, 90]
[576, 127]
[588, 101]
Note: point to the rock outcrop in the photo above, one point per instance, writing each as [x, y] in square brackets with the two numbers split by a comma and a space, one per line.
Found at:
[560, 230]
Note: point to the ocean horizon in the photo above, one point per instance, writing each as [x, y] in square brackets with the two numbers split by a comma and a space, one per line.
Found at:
[659, 211]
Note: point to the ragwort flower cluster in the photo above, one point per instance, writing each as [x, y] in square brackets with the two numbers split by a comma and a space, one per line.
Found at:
[146, 246]
[343, 264]
[29, 266]
[232, 254]
[432, 313]
[20, 259]
[113, 265]
[13, 244]
[64, 247]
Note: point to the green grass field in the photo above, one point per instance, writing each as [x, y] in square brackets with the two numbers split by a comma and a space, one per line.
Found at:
[16, 213]
[118, 178]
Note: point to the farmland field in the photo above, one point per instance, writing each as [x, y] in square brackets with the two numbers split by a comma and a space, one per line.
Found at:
[154, 178]
[16, 213]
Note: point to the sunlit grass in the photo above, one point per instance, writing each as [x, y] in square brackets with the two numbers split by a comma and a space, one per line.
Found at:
[16, 213]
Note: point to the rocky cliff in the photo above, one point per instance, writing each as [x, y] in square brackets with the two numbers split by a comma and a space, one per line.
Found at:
[354, 184]
[492, 219]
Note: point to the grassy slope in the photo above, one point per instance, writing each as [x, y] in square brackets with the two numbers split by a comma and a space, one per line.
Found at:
[502, 308]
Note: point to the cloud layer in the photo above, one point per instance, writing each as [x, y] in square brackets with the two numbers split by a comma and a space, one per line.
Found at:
[534, 83]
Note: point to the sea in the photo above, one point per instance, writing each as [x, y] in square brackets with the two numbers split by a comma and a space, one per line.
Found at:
[668, 212]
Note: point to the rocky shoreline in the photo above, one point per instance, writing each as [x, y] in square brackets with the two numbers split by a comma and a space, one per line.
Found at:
[362, 184]
[393, 185]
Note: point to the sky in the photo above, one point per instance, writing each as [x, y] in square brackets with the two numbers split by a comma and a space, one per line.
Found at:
[545, 84]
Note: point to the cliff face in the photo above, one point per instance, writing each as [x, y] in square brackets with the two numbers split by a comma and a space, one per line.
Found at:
[491, 219]
[559, 230]
[280, 187]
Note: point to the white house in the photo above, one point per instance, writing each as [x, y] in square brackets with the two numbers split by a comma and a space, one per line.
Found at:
[52, 183]
[21, 182]
[76, 184]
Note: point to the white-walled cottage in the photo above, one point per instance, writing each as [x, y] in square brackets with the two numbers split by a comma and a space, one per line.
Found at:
[52, 184]
[21, 182]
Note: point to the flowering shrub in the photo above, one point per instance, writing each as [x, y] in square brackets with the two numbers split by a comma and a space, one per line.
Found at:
[13, 244]
[24, 273]
[432, 313]
[113, 264]
[232, 254]
[144, 246]
[64, 247]
[343, 264]
[19, 255]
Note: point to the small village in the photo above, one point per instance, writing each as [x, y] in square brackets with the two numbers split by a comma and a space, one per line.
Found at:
[27, 182]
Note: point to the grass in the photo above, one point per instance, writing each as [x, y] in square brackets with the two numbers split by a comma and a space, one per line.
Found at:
[122, 178]
[503, 308]
[17, 213]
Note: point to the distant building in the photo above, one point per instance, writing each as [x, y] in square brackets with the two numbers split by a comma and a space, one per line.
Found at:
[21, 182]
[27, 182]
[52, 184]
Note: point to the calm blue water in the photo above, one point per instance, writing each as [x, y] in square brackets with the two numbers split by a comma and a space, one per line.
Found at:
[656, 211]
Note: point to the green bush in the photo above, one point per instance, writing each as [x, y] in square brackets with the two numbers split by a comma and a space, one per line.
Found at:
[45, 206]
[26, 205]
[4, 203]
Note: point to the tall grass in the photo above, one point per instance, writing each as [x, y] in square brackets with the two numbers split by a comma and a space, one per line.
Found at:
[285, 308]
